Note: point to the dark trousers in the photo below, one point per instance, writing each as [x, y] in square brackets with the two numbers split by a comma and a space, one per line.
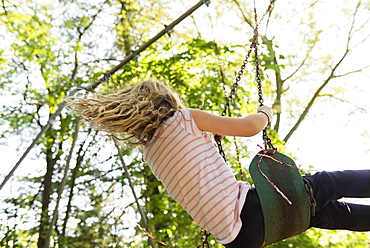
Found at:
[328, 188]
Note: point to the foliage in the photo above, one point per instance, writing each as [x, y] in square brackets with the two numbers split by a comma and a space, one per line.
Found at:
[53, 47]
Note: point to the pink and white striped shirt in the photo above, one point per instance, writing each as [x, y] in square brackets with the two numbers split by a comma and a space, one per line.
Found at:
[188, 164]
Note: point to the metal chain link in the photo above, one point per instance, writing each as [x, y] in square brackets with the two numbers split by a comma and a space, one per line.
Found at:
[311, 198]
[232, 94]
[238, 78]
[205, 243]
[253, 47]
[266, 139]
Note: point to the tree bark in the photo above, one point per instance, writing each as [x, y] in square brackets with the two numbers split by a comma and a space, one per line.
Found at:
[46, 194]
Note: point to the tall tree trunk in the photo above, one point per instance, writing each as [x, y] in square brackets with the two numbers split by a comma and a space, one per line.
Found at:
[51, 160]
[47, 191]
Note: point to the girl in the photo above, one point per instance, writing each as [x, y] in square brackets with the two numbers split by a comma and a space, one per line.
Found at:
[179, 148]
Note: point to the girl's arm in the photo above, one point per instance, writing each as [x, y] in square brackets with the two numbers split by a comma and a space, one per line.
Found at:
[232, 126]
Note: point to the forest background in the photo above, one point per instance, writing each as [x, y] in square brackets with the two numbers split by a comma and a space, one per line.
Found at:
[315, 73]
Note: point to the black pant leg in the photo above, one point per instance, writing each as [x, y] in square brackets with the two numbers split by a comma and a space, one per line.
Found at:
[333, 185]
[252, 231]
[328, 187]
[343, 216]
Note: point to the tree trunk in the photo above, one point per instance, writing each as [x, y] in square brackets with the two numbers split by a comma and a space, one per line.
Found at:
[48, 189]
[44, 217]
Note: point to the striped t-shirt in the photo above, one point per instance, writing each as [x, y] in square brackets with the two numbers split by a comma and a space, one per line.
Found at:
[188, 164]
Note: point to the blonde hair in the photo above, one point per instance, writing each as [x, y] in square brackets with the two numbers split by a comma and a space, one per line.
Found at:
[135, 112]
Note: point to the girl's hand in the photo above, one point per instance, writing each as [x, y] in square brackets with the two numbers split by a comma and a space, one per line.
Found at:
[266, 111]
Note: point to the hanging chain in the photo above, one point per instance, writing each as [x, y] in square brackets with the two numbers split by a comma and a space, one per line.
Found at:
[205, 243]
[232, 94]
[238, 78]
[245, 61]
[311, 198]
[253, 47]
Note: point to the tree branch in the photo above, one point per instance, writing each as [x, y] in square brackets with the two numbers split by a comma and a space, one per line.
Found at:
[143, 217]
[313, 99]
[343, 100]
[248, 21]
[352, 72]
[330, 77]
[61, 186]
[80, 157]
[303, 62]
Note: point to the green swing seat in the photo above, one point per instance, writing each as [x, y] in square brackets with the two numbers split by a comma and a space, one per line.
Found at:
[281, 219]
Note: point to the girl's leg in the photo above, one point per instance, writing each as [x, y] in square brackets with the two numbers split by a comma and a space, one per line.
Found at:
[345, 216]
[252, 232]
[328, 187]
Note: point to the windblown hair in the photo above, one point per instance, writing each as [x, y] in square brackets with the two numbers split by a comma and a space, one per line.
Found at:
[135, 112]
